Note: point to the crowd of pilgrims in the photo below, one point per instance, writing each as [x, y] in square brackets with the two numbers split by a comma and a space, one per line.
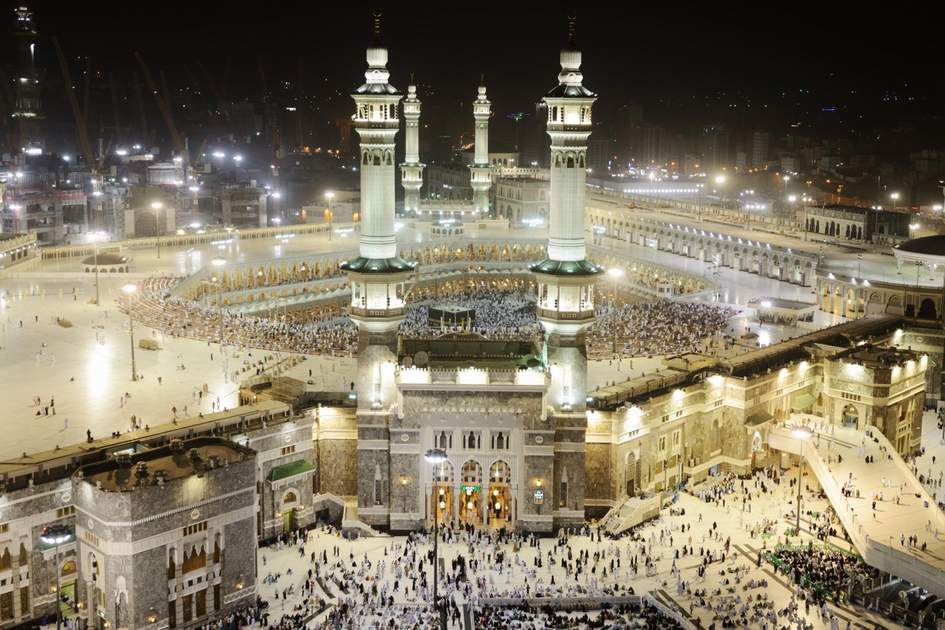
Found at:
[642, 329]
[295, 331]
[819, 570]
[498, 315]
[655, 328]
[392, 588]
[366, 589]
[525, 617]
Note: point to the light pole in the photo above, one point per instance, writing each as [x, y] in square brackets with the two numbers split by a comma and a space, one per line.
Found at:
[719, 181]
[894, 196]
[802, 434]
[329, 196]
[219, 262]
[436, 456]
[129, 290]
[614, 273]
[156, 206]
[277, 196]
[97, 262]
[57, 535]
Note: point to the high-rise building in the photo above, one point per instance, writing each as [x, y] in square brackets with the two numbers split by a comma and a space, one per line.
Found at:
[27, 107]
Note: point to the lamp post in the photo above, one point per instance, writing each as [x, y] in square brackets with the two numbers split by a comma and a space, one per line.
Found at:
[436, 456]
[614, 273]
[97, 262]
[277, 196]
[219, 262]
[894, 196]
[802, 434]
[130, 290]
[329, 196]
[403, 484]
[719, 181]
[57, 535]
[156, 206]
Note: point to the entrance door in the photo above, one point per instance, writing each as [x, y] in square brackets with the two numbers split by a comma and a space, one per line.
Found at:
[288, 520]
[188, 608]
[470, 505]
[201, 603]
[499, 505]
[443, 502]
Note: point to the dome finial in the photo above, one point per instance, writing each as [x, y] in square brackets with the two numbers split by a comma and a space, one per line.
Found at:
[377, 28]
[411, 78]
[572, 27]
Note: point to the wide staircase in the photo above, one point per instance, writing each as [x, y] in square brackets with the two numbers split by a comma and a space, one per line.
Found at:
[631, 512]
[877, 538]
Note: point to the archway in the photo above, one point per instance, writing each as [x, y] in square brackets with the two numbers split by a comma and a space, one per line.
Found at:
[470, 494]
[927, 309]
[850, 417]
[441, 498]
[500, 494]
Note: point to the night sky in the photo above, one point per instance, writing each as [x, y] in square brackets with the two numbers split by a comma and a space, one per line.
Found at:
[675, 60]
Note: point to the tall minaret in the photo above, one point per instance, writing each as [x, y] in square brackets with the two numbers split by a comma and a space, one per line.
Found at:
[480, 173]
[566, 281]
[411, 171]
[377, 277]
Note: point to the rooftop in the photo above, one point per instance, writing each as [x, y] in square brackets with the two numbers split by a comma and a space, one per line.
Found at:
[178, 460]
[930, 245]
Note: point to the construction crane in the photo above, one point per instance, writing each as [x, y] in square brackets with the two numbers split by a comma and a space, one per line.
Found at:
[162, 103]
[81, 128]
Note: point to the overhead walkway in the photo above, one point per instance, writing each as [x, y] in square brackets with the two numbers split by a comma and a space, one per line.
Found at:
[876, 538]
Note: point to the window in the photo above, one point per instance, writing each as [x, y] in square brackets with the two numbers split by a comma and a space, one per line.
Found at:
[4, 528]
[65, 511]
[196, 527]
[288, 450]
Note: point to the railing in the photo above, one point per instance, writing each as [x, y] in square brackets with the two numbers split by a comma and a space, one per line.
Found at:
[875, 552]
[185, 240]
[565, 315]
[377, 312]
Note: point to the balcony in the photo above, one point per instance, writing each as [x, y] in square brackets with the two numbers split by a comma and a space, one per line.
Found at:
[358, 311]
[565, 315]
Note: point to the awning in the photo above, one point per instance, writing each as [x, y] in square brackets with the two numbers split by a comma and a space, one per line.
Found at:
[759, 417]
[289, 470]
[802, 401]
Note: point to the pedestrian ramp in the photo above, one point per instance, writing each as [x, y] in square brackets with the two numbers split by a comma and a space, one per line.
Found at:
[838, 459]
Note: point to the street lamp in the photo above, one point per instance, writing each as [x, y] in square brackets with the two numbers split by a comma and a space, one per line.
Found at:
[57, 535]
[156, 206]
[277, 196]
[719, 182]
[329, 195]
[129, 290]
[802, 434]
[614, 273]
[219, 262]
[895, 197]
[435, 457]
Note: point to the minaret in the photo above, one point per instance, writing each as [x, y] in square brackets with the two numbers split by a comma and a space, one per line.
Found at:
[411, 171]
[566, 281]
[26, 84]
[480, 173]
[377, 278]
